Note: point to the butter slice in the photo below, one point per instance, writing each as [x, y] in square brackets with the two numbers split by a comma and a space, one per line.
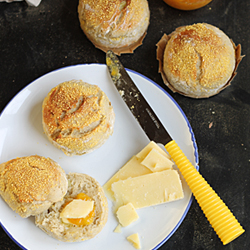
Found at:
[126, 214]
[152, 145]
[132, 168]
[77, 209]
[156, 161]
[148, 190]
[134, 239]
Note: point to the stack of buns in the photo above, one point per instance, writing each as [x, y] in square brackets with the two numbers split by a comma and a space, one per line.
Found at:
[114, 25]
[197, 60]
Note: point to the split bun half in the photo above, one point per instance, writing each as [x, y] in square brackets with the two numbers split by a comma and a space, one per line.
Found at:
[51, 223]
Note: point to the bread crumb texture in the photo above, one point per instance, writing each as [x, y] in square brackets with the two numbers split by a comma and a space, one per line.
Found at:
[51, 223]
[199, 59]
[77, 117]
[113, 24]
[31, 184]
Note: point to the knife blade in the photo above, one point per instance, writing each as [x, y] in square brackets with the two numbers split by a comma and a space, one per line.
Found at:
[218, 214]
[136, 102]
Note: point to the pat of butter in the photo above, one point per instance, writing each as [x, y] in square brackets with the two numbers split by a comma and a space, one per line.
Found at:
[77, 209]
[134, 239]
[156, 161]
[126, 214]
[132, 168]
[152, 145]
[148, 190]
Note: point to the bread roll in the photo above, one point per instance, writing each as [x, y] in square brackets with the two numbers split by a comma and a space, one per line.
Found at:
[199, 60]
[51, 223]
[29, 185]
[114, 25]
[77, 117]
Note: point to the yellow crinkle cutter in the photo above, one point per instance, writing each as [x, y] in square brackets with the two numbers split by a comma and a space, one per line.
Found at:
[220, 217]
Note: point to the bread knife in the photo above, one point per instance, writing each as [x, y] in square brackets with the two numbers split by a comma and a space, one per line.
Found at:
[220, 217]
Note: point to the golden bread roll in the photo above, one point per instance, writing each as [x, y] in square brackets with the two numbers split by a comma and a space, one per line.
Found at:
[77, 117]
[51, 222]
[198, 60]
[115, 25]
[30, 185]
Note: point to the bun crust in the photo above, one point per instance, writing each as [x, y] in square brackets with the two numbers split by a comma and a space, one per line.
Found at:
[114, 25]
[77, 117]
[29, 185]
[51, 223]
[199, 60]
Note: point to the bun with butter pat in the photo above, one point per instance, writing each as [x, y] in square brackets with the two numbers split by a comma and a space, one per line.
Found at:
[115, 25]
[30, 185]
[197, 60]
[82, 213]
[77, 117]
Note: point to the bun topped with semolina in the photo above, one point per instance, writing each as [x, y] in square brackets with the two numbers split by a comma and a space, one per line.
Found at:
[197, 60]
[82, 213]
[30, 185]
[77, 117]
[117, 25]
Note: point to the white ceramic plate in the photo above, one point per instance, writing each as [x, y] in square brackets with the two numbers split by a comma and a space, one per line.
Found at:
[22, 134]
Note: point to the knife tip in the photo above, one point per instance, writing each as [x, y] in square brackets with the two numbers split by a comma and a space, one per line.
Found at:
[113, 64]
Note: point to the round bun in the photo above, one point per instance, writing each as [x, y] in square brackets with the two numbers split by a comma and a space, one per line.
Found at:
[114, 25]
[77, 117]
[199, 60]
[51, 223]
[31, 184]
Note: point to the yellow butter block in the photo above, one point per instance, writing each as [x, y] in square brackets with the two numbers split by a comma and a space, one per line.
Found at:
[77, 209]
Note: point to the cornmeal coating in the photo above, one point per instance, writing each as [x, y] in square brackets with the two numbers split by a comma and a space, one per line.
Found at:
[116, 25]
[198, 60]
[31, 184]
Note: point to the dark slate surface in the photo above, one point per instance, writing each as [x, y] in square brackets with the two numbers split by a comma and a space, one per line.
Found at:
[35, 41]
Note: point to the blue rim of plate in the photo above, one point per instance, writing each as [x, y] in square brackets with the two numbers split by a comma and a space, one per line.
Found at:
[183, 114]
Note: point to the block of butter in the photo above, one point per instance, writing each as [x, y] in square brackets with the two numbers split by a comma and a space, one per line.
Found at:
[148, 190]
[76, 209]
